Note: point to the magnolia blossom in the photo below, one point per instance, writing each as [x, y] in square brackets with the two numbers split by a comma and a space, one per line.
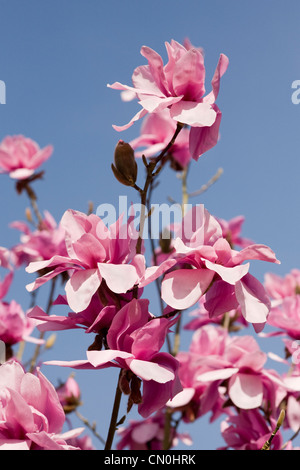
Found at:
[249, 430]
[179, 87]
[218, 367]
[279, 287]
[14, 325]
[285, 317]
[249, 384]
[21, 156]
[31, 416]
[200, 397]
[148, 434]
[231, 230]
[98, 259]
[133, 341]
[156, 132]
[206, 264]
[69, 395]
[41, 244]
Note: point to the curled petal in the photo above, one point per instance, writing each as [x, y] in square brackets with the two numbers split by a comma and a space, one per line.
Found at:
[183, 288]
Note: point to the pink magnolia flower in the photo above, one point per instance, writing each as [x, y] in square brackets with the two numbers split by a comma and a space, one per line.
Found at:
[14, 325]
[81, 443]
[98, 259]
[179, 86]
[231, 230]
[69, 394]
[249, 385]
[199, 397]
[31, 416]
[249, 430]
[41, 244]
[148, 434]
[206, 264]
[156, 132]
[134, 340]
[21, 156]
[279, 287]
[286, 317]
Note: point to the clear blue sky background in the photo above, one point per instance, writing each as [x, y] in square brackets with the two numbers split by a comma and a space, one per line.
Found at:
[56, 58]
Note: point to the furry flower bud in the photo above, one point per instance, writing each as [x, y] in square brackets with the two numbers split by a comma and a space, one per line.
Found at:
[125, 166]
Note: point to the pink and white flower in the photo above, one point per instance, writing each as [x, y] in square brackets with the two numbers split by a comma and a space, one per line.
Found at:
[21, 156]
[156, 132]
[41, 244]
[31, 416]
[134, 340]
[206, 264]
[179, 87]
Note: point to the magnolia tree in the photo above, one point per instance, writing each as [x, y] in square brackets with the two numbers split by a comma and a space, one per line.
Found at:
[197, 262]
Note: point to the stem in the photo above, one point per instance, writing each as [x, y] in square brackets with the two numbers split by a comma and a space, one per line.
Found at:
[92, 427]
[32, 198]
[167, 429]
[151, 174]
[185, 200]
[42, 334]
[114, 417]
[267, 444]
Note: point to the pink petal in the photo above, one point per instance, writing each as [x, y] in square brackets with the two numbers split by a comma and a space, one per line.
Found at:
[156, 68]
[259, 252]
[254, 302]
[21, 173]
[151, 371]
[219, 374]
[81, 287]
[246, 391]
[219, 72]
[155, 104]
[189, 76]
[144, 432]
[119, 277]
[135, 118]
[182, 398]
[194, 114]
[183, 288]
[204, 138]
[229, 274]
[99, 358]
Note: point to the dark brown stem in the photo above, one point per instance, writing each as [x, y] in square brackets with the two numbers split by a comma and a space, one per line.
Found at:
[114, 417]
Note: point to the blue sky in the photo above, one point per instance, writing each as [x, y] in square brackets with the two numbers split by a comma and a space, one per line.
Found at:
[56, 58]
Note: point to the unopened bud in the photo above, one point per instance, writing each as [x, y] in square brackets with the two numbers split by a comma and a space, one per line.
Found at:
[125, 166]
[124, 382]
[135, 394]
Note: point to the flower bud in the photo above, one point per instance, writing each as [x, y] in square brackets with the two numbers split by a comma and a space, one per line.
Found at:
[125, 166]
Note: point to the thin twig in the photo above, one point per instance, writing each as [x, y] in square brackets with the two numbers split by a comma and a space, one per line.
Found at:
[206, 186]
[42, 334]
[92, 427]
